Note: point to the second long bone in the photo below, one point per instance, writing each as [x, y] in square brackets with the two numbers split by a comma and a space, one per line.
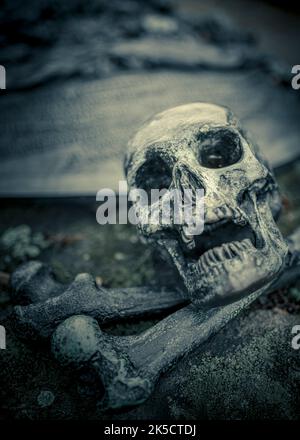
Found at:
[107, 305]
[127, 368]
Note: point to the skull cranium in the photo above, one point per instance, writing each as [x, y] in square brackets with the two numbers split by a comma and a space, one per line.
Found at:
[203, 145]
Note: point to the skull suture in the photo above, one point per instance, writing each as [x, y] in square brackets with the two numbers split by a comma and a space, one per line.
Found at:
[203, 145]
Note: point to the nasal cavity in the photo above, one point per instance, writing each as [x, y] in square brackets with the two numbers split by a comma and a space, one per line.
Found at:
[185, 178]
[220, 149]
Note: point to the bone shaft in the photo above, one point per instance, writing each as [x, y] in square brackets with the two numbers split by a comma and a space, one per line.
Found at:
[35, 283]
[141, 301]
[106, 306]
[164, 344]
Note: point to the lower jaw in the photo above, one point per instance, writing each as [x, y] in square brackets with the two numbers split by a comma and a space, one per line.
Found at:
[217, 300]
[244, 259]
[232, 285]
[211, 299]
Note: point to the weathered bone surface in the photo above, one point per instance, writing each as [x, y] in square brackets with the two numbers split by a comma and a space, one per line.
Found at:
[202, 145]
[38, 321]
[34, 282]
[83, 296]
[127, 368]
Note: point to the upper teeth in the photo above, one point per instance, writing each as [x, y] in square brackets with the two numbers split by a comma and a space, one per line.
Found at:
[222, 214]
[209, 227]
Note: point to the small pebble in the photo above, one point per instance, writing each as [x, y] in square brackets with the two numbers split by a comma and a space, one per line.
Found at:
[119, 256]
[159, 24]
[45, 398]
[99, 281]
[134, 239]
[295, 293]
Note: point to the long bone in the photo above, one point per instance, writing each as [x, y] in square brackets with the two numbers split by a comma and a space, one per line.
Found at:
[127, 368]
[34, 282]
[83, 296]
[38, 321]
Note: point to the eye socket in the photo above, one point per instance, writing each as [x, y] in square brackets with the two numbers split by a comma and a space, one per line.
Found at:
[153, 174]
[220, 149]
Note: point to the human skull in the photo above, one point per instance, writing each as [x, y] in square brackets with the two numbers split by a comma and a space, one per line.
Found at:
[240, 248]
